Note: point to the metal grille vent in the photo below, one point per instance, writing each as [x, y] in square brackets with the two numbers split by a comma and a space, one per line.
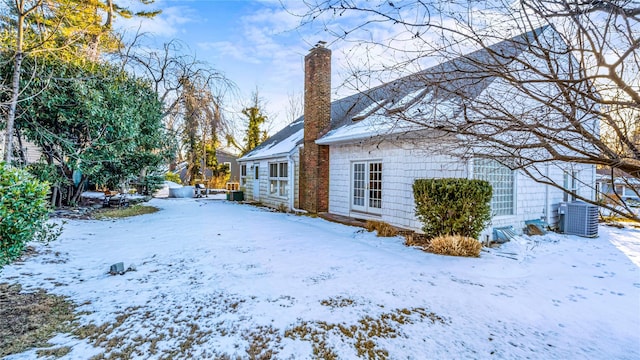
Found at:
[580, 219]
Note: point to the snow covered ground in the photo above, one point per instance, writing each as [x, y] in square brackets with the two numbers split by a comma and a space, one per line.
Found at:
[216, 279]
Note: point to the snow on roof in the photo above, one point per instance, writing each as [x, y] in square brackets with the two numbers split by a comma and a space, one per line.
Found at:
[407, 100]
[276, 148]
[373, 107]
[447, 83]
[381, 123]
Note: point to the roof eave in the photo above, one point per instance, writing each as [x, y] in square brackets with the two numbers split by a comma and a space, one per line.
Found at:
[269, 156]
[345, 139]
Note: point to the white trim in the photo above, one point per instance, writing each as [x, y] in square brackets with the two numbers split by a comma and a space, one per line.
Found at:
[278, 179]
[366, 207]
[243, 178]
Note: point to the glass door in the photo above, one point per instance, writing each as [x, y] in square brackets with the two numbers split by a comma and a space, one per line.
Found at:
[366, 186]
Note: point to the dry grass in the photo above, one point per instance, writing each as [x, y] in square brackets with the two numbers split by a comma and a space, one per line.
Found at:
[455, 245]
[415, 239]
[363, 335]
[124, 212]
[116, 341]
[29, 320]
[382, 228]
[337, 302]
[55, 352]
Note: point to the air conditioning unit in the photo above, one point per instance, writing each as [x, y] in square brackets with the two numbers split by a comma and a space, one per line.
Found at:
[578, 218]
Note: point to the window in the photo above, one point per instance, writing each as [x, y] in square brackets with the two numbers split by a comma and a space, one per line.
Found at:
[619, 189]
[279, 179]
[570, 185]
[501, 179]
[243, 175]
[375, 185]
[366, 186]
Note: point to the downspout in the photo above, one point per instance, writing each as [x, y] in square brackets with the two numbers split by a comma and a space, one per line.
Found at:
[292, 178]
[594, 178]
[547, 218]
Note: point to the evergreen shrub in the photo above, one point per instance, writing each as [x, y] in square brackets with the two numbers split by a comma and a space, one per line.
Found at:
[173, 177]
[24, 210]
[452, 206]
[152, 183]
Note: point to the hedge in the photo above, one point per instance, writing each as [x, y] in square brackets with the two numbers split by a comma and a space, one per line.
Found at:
[453, 206]
[24, 210]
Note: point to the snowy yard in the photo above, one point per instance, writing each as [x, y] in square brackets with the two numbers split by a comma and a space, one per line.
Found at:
[223, 280]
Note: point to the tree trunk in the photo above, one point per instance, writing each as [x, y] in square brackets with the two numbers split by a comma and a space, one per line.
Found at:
[11, 117]
[15, 83]
[54, 196]
[21, 152]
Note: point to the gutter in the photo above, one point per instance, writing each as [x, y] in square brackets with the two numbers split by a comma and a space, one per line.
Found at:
[262, 157]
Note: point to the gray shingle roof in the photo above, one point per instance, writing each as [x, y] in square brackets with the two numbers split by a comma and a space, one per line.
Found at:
[462, 78]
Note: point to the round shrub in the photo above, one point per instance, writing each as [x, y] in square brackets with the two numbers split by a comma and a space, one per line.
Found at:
[173, 177]
[24, 210]
[452, 206]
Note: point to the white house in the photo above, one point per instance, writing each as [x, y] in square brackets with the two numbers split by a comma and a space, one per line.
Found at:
[30, 151]
[353, 157]
[617, 185]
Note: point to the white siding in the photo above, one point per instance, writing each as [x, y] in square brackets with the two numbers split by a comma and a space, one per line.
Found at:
[31, 151]
[295, 167]
[401, 165]
[532, 196]
[265, 197]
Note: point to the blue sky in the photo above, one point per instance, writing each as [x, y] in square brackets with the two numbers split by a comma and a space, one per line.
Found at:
[254, 43]
[259, 44]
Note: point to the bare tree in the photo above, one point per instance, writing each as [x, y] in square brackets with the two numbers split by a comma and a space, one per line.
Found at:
[575, 71]
[193, 93]
[294, 108]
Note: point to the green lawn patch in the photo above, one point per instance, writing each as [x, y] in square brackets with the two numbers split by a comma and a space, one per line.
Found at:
[117, 213]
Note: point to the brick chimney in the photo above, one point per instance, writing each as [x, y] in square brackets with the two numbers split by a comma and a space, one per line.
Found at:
[314, 159]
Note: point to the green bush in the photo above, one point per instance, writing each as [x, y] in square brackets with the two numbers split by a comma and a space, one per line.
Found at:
[152, 183]
[452, 206]
[173, 177]
[24, 210]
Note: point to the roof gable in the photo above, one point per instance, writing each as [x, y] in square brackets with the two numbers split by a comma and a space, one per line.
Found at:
[369, 113]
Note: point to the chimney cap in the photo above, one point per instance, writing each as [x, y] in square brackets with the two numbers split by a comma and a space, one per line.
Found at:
[319, 44]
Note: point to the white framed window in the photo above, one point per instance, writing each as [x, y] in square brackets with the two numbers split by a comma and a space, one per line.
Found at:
[366, 186]
[279, 179]
[502, 180]
[243, 175]
[619, 190]
[570, 179]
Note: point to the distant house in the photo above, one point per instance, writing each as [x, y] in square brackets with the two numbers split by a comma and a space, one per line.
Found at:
[25, 148]
[347, 158]
[224, 157]
[617, 184]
